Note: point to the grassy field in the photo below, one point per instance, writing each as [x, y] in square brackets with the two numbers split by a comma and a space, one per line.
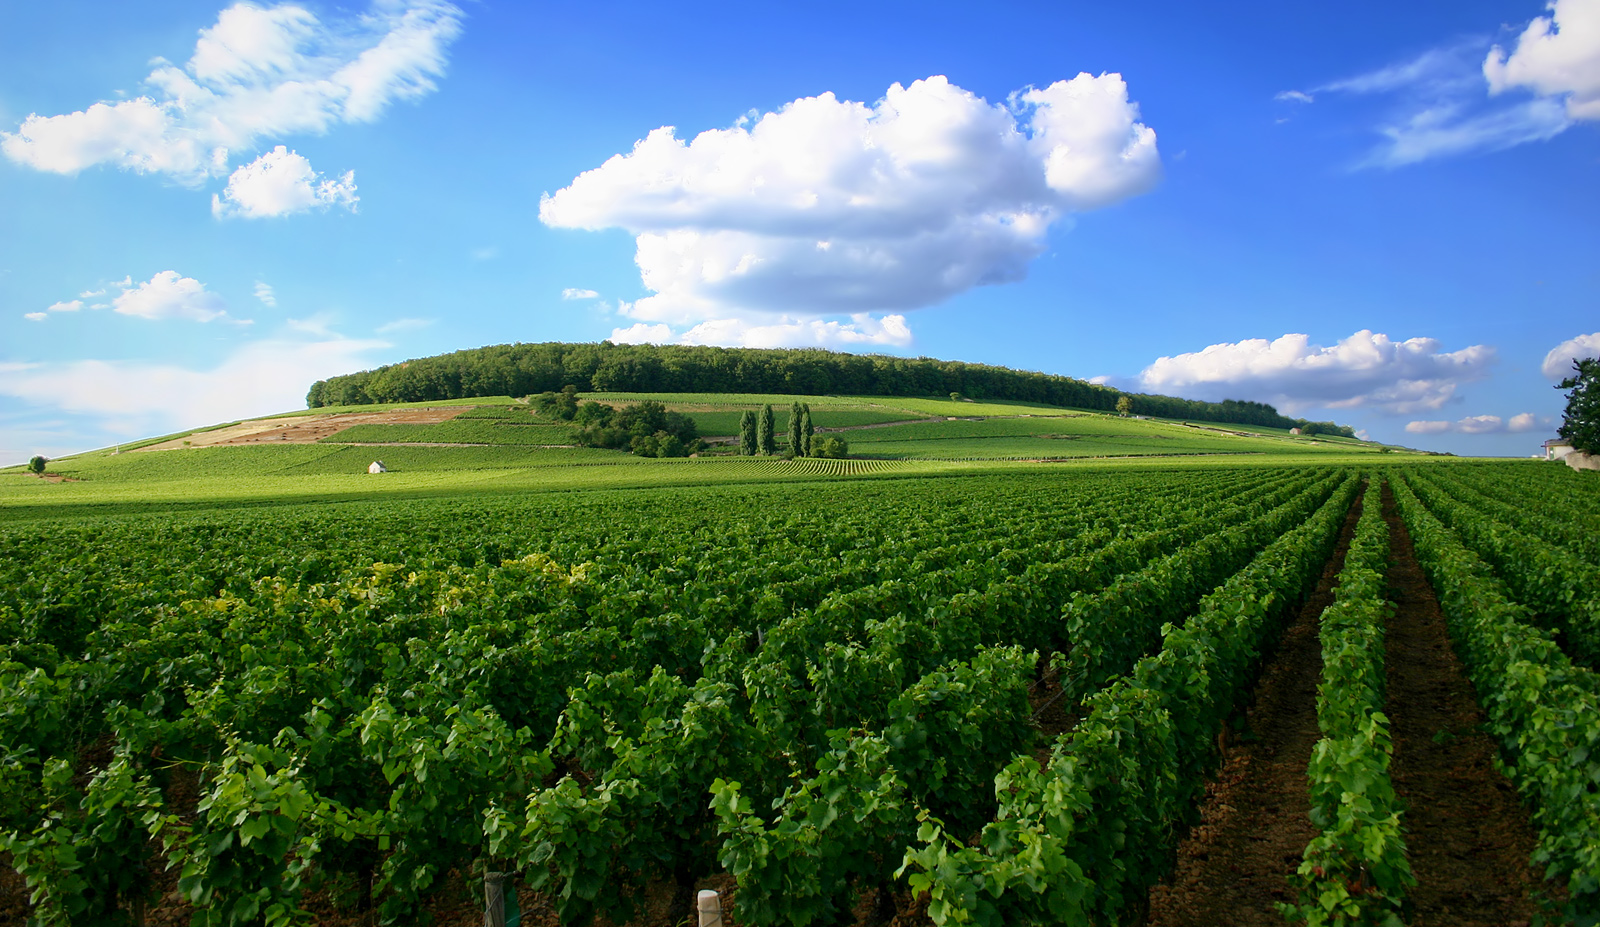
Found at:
[933, 437]
[457, 431]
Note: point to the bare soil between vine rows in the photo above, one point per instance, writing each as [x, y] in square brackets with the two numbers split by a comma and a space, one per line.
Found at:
[1233, 867]
[1468, 836]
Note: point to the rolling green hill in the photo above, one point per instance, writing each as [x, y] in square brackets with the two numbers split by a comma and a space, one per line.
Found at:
[498, 444]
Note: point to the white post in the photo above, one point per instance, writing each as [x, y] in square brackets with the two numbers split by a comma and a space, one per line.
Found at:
[494, 899]
[710, 909]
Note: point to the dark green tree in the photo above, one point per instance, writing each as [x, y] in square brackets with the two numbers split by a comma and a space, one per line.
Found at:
[766, 442]
[36, 465]
[1581, 422]
[747, 433]
[640, 428]
[562, 405]
[807, 433]
[835, 447]
[797, 440]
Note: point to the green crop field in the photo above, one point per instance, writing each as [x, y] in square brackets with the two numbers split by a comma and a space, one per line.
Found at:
[304, 688]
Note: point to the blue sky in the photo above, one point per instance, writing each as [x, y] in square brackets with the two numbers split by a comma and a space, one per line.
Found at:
[1379, 214]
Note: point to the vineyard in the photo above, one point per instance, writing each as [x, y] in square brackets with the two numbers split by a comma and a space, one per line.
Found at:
[947, 694]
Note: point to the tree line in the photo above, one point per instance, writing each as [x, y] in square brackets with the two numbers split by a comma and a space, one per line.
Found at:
[529, 369]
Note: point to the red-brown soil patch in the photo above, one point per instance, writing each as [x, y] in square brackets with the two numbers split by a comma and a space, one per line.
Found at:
[1467, 835]
[1233, 866]
[306, 429]
[55, 478]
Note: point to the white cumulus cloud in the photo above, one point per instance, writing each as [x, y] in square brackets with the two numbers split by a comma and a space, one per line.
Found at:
[1480, 425]
[833, 207]
[133, 398]
[781, 332]
[1558, 363]
[259, 72]
[1556, 56]
[642, 333]
[168, 295]
[1364, 370]
[281, 183]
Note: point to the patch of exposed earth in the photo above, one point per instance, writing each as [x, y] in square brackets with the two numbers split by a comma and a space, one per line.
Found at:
[305, 429]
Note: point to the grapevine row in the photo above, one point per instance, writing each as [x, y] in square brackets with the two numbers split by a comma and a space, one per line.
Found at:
[1543, 710]
[1081, 838]
[1355, 870]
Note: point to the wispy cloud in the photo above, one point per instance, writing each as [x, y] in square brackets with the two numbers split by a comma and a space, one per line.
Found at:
[1471, 96]
[403, 325]
[575, 293]
[1448, 69]
[131, 398]
[1446, 130]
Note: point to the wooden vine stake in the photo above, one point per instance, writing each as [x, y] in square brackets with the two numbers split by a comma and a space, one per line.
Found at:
[710, 909]
[496, 912]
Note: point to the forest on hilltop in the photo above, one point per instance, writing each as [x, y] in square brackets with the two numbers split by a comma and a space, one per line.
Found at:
[525, 369]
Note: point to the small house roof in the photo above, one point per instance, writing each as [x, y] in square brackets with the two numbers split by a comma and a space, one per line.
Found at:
[1558, 442]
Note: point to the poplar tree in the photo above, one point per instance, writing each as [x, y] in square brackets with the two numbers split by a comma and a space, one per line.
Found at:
[797, 441]
[747, 433]
[766, 444]
[806, 431]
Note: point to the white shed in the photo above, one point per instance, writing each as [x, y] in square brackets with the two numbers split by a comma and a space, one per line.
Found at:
[377, 467]
[1557, 448]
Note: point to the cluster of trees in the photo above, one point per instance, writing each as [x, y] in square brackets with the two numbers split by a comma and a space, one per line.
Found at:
[1580, 423]
[757, 435]
[1325, 428]
[646, 428]
[525, 369]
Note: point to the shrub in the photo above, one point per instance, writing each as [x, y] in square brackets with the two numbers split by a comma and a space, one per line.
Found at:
[833, 447]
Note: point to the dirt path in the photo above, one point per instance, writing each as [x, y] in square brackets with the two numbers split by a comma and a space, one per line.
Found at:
[1233, 867]
[1467, 834]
